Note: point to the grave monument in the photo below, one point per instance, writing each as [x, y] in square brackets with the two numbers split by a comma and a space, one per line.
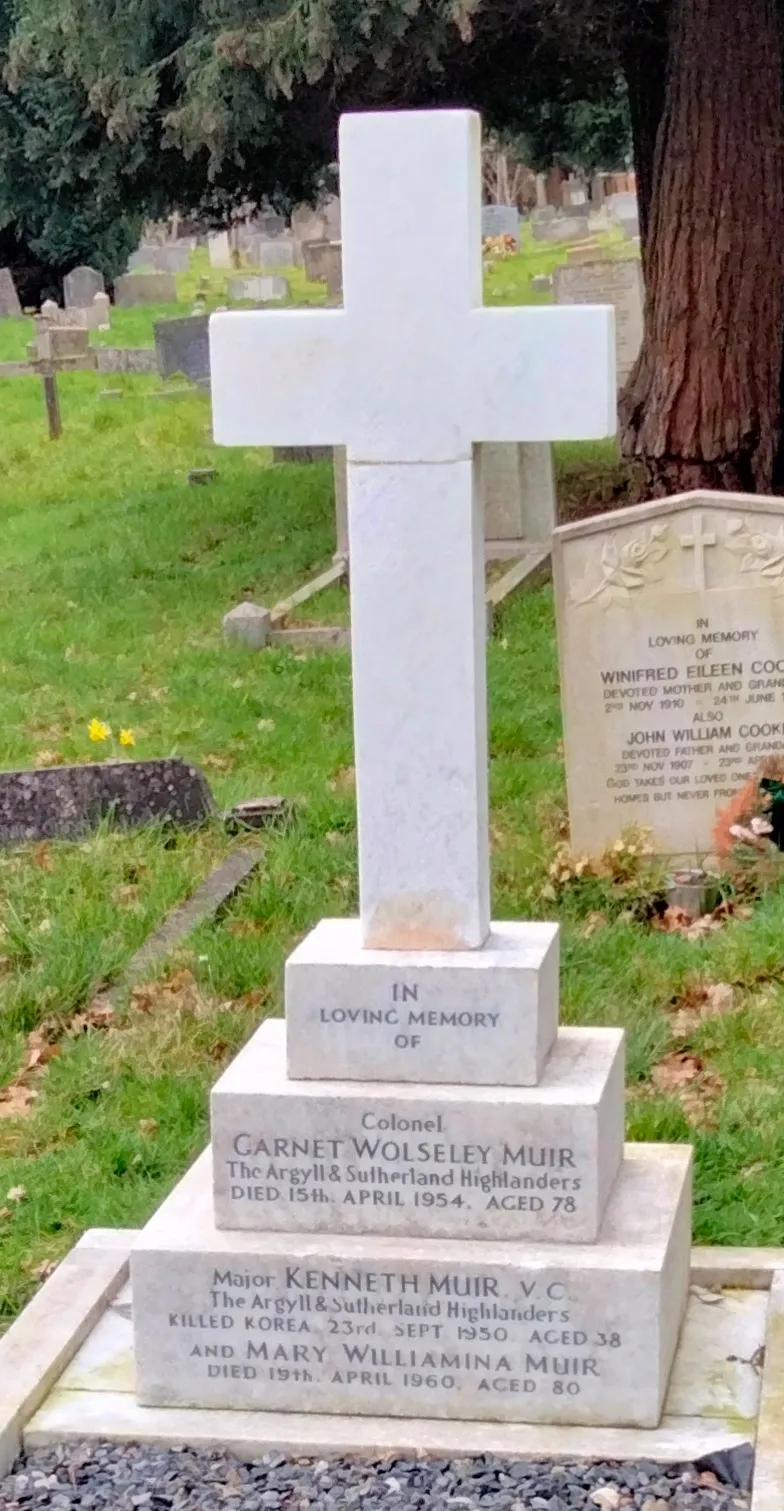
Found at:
[615, 281]
[417, 1202]
[671, 636]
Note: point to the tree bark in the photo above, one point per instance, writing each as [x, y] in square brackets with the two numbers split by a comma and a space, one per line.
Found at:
[645, 53]
[702, 406]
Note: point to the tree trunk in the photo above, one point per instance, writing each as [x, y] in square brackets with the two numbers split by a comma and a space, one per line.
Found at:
[645, 53]
[702, 406]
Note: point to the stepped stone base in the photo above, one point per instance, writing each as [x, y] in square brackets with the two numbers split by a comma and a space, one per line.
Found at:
[486, 1016]
[462, 1162]
[496, 1332]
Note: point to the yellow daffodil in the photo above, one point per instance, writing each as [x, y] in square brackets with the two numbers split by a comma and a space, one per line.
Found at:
[98, 731]
[127, 737]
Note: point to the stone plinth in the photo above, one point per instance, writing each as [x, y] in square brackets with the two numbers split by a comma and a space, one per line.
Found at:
[421, 1161]
[485, 1016]
[394, 1327]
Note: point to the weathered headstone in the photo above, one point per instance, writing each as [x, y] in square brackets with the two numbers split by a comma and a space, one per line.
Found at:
[518, 488]
[219, 250]
[80, 287]
[10, 308]
[612, 281]
[171, 257]
[183, 346]
[501, 220]
[56, 342]
[247, 624]
[671, 633]
[264, 288]
[280, 252]
[145, 288]
[332, 1186]
[65, 802]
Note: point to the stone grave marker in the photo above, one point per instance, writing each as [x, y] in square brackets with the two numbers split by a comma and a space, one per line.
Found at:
[518, 488]
[671, 636]
[259, 286]
[270, 254]
[501, 220]
[145, 288]
[315, 256]
[416, 1153]
[616, 281]
[80, 287]
[182, 346]
[65, 802]
[10, 308]
[172, 257]
[219, 249]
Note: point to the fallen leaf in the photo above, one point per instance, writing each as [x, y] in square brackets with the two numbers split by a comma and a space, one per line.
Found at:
[673, 920]
[696, 1087]
[16, 1193]
[46, 758]
[242, 926]
[699, 1003]
[98, 1015]
[593, 922]
[15, 1101]
[676, 1069]
[344, 780]
[217, 763]
[4, 1213]
[42, 856]
[707, 1477]
[265, 726]
[148, 1126]
[45, 926]
[38, 1050]
[177, 992]
[126, 895]
[43, 1270]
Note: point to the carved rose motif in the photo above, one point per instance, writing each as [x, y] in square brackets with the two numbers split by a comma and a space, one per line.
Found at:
[630, 566]
[760, 551]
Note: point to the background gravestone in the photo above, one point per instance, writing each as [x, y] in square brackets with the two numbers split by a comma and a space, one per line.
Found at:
[671, 638]
[183, 346]
[65, 802]
[260, 286]
[609, 281]
[501, 220]
[280, 252]
[80, 287]
[145, 288]
[10, 308]
[172, 258]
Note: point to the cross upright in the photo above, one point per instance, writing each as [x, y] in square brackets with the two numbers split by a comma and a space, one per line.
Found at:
[698, 543]
[410, 375]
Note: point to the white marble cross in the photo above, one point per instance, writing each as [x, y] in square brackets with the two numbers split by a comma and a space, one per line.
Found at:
[409, 375]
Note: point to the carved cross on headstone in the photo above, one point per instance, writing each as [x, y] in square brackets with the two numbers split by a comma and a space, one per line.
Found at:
[409, 376]
[698, 542]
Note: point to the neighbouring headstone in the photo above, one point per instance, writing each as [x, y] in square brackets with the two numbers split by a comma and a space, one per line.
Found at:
[518, 488]
[10, 308]
[615, 281]
[65, 802]
[332, 266]
[80, 287]
[542, 283]
[314, 258]
[562, 228]
[264, 288]
[671, 634]
[126, 359]
[501, 220]
[419, 1091]
[219, 250]
[280, 252]
[102, 312]
[57, 342]
[172, 257]
[183, 346]
[145, 288]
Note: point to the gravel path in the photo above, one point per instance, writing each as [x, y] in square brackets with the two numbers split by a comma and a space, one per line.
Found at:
[108, 1477]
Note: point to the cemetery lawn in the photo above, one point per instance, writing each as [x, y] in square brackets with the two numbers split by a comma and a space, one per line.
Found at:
[115, 575]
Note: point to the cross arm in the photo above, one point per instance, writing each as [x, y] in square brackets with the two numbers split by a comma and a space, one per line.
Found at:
[546, 374]
[278, 377]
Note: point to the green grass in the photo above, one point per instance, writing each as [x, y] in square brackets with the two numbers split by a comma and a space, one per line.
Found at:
[115, 575]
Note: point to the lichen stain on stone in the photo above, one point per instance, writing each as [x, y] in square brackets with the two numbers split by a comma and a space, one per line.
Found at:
[424, 921]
